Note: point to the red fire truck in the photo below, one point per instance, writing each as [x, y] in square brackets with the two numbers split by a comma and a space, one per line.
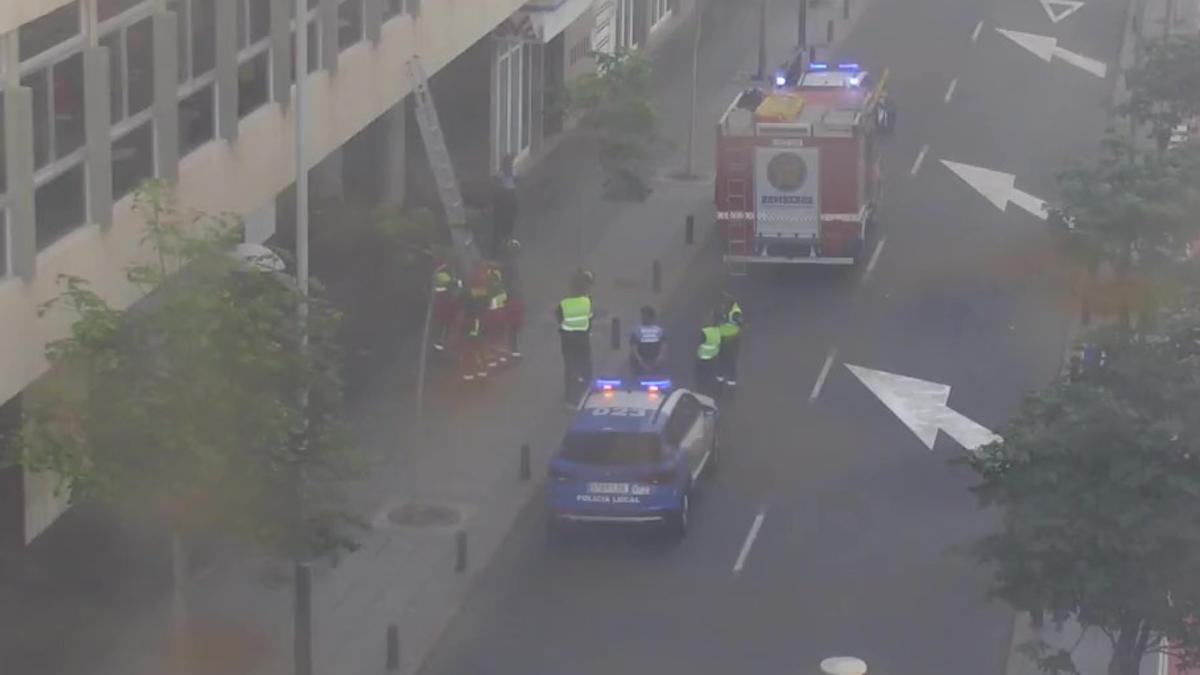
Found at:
[798, 172]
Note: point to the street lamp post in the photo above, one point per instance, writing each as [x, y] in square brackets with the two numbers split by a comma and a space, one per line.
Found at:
[762, 41]
[689, 170]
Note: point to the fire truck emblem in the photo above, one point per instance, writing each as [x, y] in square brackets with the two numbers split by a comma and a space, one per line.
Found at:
[787, 172]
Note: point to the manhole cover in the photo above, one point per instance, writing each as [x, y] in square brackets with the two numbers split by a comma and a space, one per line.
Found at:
[424, 515]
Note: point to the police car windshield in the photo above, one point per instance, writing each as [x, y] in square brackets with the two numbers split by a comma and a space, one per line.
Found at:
[609, 448]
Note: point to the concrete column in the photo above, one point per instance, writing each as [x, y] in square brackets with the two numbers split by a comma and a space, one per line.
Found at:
[327, 22]
[227, 75]
[18, 157]
[166, 95]
[97, 115]
[537, 98]
[282, 59]
[396, 154]
[373, 19]
[493, 105]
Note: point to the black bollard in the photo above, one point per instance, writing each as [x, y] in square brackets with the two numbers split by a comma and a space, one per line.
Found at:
[525, 470]
[689, 229]
[829, 32]
[460, 551]
[616, 333]
[657, 272]
[812, 53]
[393, 648]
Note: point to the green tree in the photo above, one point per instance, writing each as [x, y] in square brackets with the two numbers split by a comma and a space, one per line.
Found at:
[616, 107]
[1133, 212]
[1164, 88]
[202, 409]
[1097, 482]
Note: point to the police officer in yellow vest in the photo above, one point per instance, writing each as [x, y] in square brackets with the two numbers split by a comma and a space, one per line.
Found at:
[574, 315]
[708, 353]
[731, 331]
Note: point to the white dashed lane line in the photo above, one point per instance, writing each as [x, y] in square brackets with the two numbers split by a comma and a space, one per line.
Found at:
[978, 28]
[749, 543]
[950, 89]
[920, 158]
[816, 390]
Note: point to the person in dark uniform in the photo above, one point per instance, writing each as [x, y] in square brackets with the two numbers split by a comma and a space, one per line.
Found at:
[647, 345]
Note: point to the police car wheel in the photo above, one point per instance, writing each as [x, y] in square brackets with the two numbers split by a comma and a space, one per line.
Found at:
[678, 522]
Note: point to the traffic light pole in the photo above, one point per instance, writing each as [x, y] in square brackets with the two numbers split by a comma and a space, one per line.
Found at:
[802, 40]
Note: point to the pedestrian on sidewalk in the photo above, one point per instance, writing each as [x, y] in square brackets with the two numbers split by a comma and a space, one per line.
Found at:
[504, 207]
[574, 315]
[647, 345]
[731, 331]
[707, 354]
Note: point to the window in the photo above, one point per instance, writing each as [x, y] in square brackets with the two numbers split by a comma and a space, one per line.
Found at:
[197, 121]
[513, 98]
[48, 31]
[59, 206]
[3, 187]
[626, 35]
[197, 63]
[350, 23]
[314, 47]
[131, 69]
[608, 448]
[132, 159]
[3, 156]
[107, 9]
[392, 8]
[659, 11]
[57, 109]
[254, 55]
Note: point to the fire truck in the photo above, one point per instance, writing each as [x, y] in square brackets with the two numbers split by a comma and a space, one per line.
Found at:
[798, 172]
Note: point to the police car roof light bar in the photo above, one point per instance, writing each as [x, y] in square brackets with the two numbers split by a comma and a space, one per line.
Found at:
[607, 384]
[655, 385]
[848, 66]
[818, 66]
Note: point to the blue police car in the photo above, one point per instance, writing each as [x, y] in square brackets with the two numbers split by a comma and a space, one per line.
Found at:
[632, 454]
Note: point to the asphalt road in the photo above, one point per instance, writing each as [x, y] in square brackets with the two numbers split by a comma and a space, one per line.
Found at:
[855, 553]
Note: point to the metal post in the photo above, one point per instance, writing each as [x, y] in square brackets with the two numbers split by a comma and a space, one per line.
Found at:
[689, 229]
[526, 472]
[845, 9]
[689, 169]
[762, 41]
[616, 333]
[656, 270]
[393, 648]
[460, 551]
[829, 33]
[300, 16]
[303, 620]
[802, 41]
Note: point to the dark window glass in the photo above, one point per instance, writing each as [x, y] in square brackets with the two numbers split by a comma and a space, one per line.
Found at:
[107, 9]
[204, 37]
[314, 52]
[140, 49]
[197, 120]
[116, 75]
[47, 31]
[59, 206]
[37, 82]
[133, 159]
[612, 448]
[254, 84]
[350, 23]
[259, 12]
[68, 106]
[180, 8]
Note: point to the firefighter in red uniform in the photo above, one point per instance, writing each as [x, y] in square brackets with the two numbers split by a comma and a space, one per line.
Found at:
[472, 347]
[496, 319]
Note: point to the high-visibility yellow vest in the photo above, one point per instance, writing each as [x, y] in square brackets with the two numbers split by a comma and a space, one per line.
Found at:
[576, 313]
[711, 346]
[732, 325]
[443, 279]
[475, 329]
[498, 301]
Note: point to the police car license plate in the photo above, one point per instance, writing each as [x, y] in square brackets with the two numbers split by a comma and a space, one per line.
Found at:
[608, 488]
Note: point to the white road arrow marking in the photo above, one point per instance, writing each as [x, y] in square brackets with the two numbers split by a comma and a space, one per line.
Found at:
[1065, 8]
[997, 187]
[1046, 48]
[921, 406]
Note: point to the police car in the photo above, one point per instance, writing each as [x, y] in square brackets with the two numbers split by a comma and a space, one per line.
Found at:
[632, 455]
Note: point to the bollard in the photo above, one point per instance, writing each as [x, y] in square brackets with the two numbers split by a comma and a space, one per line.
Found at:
[845, 9]
[525, 470]
[657, 273]
[616, 333]
[460, 551]
[812, 53]
[393, 648]
[689, 229]
[829, 32]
